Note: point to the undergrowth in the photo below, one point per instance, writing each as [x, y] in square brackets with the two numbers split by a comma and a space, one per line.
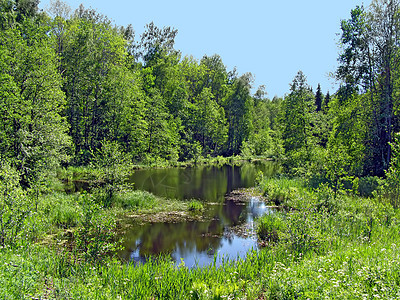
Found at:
[324, 244]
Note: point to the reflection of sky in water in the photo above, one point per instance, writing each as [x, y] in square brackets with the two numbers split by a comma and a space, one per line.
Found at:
[231, 248]
[197, 242]
[227, 246]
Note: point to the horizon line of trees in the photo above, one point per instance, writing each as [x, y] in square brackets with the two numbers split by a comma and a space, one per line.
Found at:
[71, 82]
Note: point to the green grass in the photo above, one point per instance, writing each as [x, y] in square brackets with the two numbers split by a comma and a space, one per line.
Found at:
[324, 245]
[271, 227]
[60, 210]
[351, 269]
[134, 200]
[282, 191]
[337, 245]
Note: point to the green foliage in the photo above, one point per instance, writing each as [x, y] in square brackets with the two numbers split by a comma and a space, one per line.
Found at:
[92, 67]
[392, 182]
[305, 230]
[76, 86]
[113, 168]
[34, 132]
[15, 207]
[95, 237]
[298, 107]
[368, 186]
[195, 206]
[346, 146]
[369, 64]
[239, 106]
[271, 228]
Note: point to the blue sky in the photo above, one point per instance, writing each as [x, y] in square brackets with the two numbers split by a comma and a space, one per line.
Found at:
[271, 39]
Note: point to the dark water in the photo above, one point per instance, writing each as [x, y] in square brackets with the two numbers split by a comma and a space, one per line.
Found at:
[227, 231]
[209, 183]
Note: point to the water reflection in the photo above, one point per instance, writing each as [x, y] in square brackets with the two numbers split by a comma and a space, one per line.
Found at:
[228, 231]
[196, 242]
[208, 183]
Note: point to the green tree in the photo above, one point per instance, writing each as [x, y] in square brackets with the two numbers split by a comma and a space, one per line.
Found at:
[238, 105]
[93, 58]
[348, 138]
[34, 134]
[210, 120]
[215, 76]
[162, 136]
[325, 105]
[319, 98]
[369, 64]
[262, 140]
[297, 107]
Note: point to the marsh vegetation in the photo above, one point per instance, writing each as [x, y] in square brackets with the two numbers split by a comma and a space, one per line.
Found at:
[84, 105]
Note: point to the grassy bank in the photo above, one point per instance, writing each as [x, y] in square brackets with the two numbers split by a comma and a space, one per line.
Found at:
[348, 269]
[324, 244]
[342, 245]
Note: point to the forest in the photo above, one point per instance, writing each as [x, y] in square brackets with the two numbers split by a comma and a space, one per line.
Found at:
[82, 96]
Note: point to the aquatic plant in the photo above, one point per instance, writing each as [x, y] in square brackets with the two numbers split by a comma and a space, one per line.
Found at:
[195, 206]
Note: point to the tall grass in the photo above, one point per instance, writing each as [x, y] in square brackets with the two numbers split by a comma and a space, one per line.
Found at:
[282, 191]
[325, 245]
[353, 269]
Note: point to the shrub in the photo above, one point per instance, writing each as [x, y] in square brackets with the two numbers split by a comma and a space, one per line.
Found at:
[305, 230]
[195, 205]
[270, 228]
[95, 237]
[368, 185]
[392, 183]
[15, 206]
[113, 167]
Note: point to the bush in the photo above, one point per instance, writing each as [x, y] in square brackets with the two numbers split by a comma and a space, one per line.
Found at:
[113, 167]
[15, 207]
[305, 230]
[195, 205]
[270, 228]
[368, 185]
[392, 184]
[95, 237]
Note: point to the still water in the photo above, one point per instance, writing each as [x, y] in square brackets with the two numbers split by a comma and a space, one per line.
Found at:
[227, 228]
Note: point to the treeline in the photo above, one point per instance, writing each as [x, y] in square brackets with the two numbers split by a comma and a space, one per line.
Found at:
[71, 82]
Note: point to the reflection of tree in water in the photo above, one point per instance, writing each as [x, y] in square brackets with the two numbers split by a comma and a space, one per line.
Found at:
[164, 238]
[209, 183]
[232, 213]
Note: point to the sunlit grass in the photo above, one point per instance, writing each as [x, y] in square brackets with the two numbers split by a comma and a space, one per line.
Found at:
[322, 246]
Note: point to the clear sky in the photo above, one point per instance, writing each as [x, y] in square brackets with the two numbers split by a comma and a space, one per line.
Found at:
[271, 39]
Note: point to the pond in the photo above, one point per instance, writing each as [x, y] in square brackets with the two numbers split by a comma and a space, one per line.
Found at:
[226, 229]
